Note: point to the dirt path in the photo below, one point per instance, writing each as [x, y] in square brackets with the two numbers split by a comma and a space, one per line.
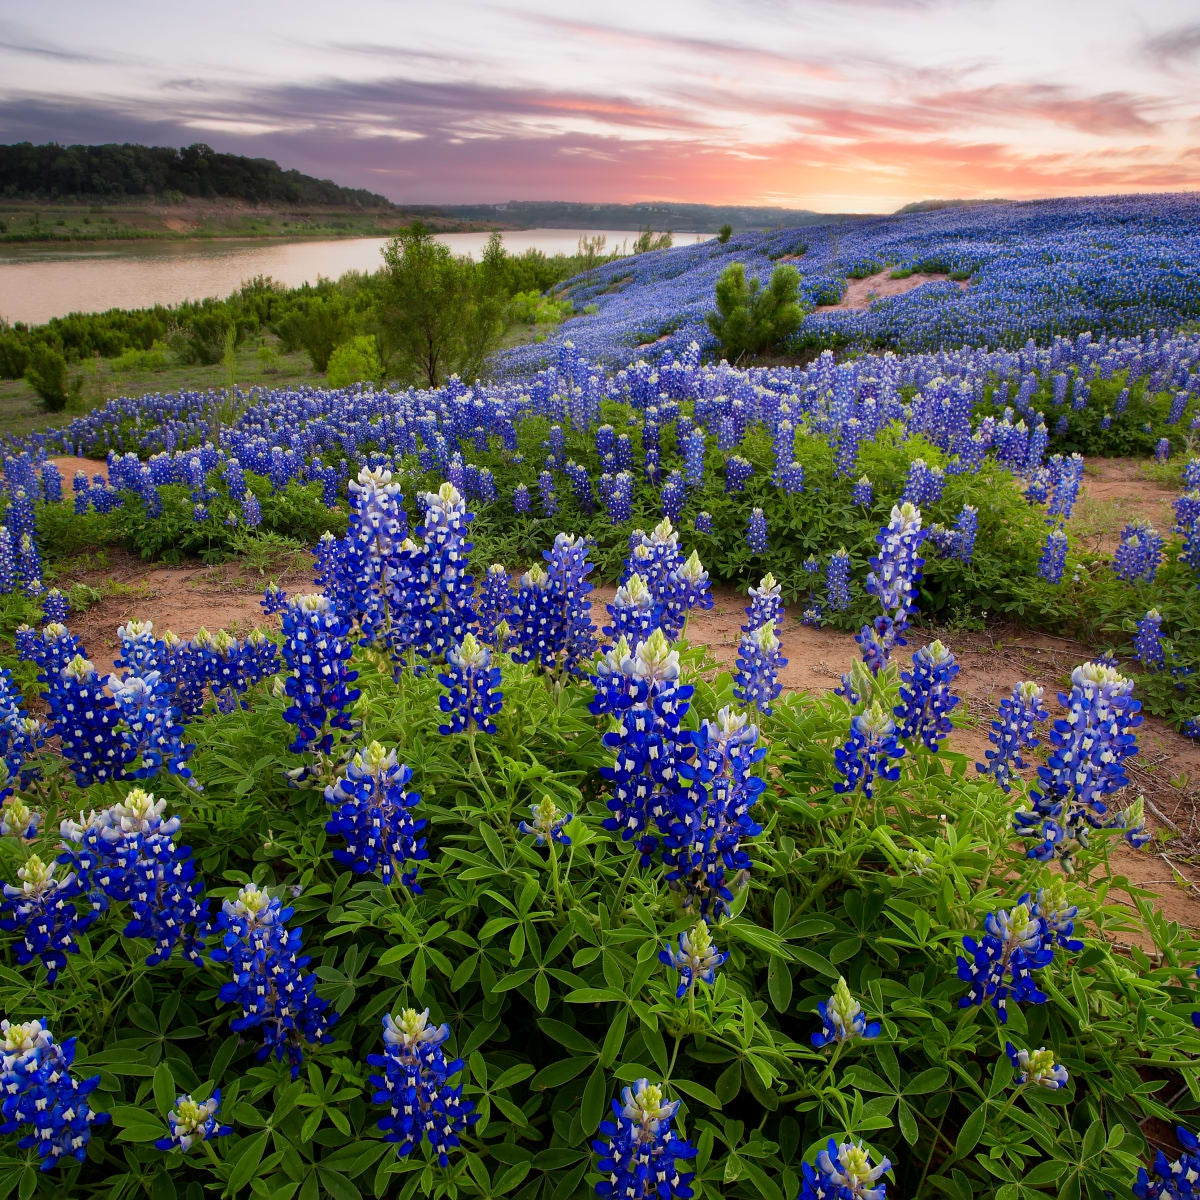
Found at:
[1113, 494]
[860, 293]
[1166, 770]
[68, 465]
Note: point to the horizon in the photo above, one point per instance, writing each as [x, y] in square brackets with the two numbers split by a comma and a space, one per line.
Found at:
[853, 107]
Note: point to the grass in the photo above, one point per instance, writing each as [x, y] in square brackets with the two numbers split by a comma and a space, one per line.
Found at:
[25, 221]
[101, 379]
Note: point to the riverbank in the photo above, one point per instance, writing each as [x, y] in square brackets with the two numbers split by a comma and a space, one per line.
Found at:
[29, 222]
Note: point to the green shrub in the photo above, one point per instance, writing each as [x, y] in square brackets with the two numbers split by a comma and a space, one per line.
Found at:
[724, 233]
[750, 319]
[355, 361]
[46, 373]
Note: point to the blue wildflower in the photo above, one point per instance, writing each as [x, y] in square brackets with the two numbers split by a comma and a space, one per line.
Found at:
[642, 1155]
[842, 1018]
[415, 1085]
[1013, 731]
[868, 752]
[696, 958]
[373, 814]
[925, 697]
[547, 823]
[193, 1121]
[42, 910]
[1002, 962]
[756, 532]
[844, 1172]
[759, 661]
[41, 1098]
[473, 688]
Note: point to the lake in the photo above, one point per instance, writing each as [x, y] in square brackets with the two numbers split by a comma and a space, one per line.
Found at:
[40, 281]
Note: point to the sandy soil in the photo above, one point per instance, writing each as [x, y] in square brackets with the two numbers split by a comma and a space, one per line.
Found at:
[68, 465]
[1115, 492]
[1167, 769]
[880, 286]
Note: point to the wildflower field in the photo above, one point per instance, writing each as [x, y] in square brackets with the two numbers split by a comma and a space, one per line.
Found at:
[454, 879]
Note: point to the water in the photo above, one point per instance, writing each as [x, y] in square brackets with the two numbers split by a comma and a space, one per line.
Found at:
[41, 281]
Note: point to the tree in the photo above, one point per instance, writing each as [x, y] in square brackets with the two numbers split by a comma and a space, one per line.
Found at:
[355, 361]
[724, 233]
[750, 319]
[47, 375]
[648, 240]
[434, 317]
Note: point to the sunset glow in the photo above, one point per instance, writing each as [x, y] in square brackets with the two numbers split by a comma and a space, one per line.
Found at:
[860, 105]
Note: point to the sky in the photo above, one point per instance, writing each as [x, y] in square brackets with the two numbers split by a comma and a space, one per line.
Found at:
[832, 105]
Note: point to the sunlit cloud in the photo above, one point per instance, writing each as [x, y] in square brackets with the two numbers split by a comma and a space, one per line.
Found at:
[859, 105]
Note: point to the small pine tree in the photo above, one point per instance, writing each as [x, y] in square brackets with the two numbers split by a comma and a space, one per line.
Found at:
[724, 233]
[751, 319]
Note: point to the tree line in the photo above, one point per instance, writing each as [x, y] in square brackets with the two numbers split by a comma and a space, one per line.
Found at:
[127, 171]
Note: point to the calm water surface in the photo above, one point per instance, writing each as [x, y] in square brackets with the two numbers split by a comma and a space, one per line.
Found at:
[38, 282]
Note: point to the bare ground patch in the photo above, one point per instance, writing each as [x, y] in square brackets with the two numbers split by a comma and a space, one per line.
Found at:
[861, 293]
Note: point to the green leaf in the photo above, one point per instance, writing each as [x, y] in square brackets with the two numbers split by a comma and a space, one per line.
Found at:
[779, 984]
[971, 1131]
[558, 1073]
[595, 1100]
[164, 1089]
[249, 1155]
[929, 1080]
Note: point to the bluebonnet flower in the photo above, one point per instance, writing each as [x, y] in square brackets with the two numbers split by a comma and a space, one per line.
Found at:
[1054, 909]
[1002, 962]
[41, 908]
[415, 1085]
[547, 822]
[1191, 475]
[655, 557]
[693, 459]
[571, 632]
[842, 1018]
[316, 650]
[925, 697]
[737, 472]
[1086, 764]
[1162, 451]
[696, 958]
[521, 502]
[8, 562]
[1138, 555]
[251, 510]
[759, 661]
[895, 572]
[495, 601]
[274, 600]
[29, 566]
[1175, 1180]
[445, 613]
[643, 692]
[837, 580]
[87, 719]
[529, 622]
[547, 494]
[642, 1155]
[1037, 1068]
[17, 819]
[1132, 819]
[373, 814]
[709, 821]
[766, 604]
[127, 854]
[845, 458]
[473, 689]
[756, 532]
[844, 1172]
[863, 492]
[152, 729]
[634, 614]
[868, 752]
[686, 588]
[193, 1121]
[1054, 554]
[41, 1098]
[674, 496]
[55, 606]
[966, 528]
[703, 523]
[276, 995]
[1147, 644]
[1013, 731]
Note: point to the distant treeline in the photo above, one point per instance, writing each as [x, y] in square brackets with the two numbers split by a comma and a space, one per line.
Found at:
[681, 218]
[129, 172]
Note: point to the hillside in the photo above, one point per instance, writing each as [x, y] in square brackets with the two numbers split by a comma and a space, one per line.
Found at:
[131, 172]
[680, 218]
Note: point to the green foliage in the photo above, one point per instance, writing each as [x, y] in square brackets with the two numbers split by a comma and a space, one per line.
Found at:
[724, 233]
[544, 964]
[750, 319]
[648, 240]
[355, 361]
[46, 373]
[435, 315]
[532, 308]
